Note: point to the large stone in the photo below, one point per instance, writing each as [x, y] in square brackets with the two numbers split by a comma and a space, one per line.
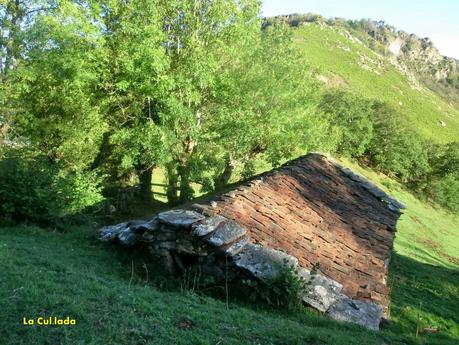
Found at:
[180, 218]
[264, 262]
[362, 313]
[320, 292]
[110, 233]
[226, 233]
[236, 247]
[127, 237]
[206, 226]
[143, 226]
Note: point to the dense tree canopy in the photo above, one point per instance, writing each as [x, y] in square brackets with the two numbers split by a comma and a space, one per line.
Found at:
[106, 91]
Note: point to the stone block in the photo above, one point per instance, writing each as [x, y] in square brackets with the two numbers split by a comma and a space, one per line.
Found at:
[207, 225]
[236, 247]
[110, 233]
[320, 292]
[263, 262]
[127, 237]
[226, 233]
[149, 225]
[362, 313]
[180, 218]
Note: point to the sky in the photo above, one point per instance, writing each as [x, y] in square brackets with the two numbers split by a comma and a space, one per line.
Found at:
[437, 19]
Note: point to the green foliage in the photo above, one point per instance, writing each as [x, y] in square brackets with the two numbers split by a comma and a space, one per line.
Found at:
[79, 192]
[134, 76]
[264, 106]
[445, 191]
[201, 89]
[352, 116]
[283, 291]
[54, 87]
[442, 183]
[27, 192]
[394, 149]
[34, 190]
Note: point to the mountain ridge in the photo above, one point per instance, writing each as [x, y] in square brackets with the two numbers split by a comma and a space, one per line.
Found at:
[416, 55]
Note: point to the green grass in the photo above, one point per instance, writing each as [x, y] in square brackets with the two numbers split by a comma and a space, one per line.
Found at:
[344, 63]
[70, 274]
[424, 271]
[48, 273]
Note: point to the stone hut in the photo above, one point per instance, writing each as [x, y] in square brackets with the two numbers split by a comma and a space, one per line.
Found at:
[309, 213]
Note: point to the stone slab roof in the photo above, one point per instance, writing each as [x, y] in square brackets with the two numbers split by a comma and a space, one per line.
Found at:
[321, 213]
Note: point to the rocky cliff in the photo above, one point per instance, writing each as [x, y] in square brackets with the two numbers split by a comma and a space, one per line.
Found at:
[414, 54]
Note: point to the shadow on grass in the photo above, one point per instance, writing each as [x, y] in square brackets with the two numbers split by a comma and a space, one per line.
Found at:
[424, 300]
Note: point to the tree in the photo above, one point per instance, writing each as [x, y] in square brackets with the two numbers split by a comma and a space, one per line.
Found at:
[201, 38]
[54, 87]
[442, 184]
[264, 106]
[15, 17]
[134, 80]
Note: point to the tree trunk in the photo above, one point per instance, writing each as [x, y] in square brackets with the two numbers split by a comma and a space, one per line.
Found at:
[186, 192]
[223, 179]
[145, 176]
[17, 16]
[104, 152]
[172, 190]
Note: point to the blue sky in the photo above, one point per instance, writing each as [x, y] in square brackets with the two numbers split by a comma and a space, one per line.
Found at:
[437, 19]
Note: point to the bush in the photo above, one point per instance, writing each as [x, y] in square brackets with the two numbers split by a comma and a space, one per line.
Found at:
[34, 191]
[282, 291]
[79, 192]
[394, 149]
[445, 191]
[442, 185]
[352, 116]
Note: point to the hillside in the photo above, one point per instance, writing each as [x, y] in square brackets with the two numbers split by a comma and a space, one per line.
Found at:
[119, 301]
[123, 110]
[342, 60]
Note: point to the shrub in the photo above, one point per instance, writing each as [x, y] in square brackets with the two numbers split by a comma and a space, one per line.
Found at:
[282, 291]
[33, 190]
[79, 191]
[352, 116]
[442, 185]
[394, 149]
[445, 191]
[26, 191]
